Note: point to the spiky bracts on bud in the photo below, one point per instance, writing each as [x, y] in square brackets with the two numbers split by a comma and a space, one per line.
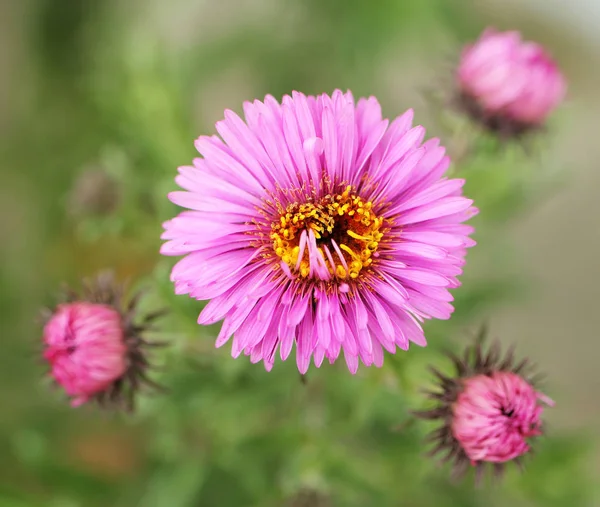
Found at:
[488, 408]
[95, 345]
[502, 127]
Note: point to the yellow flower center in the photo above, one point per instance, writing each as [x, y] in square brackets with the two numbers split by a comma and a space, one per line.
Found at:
[335, 237]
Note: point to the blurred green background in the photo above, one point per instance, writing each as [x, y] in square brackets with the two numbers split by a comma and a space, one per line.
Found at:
[100, 101]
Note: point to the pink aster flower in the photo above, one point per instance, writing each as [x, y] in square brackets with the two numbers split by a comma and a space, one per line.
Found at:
[490, 410]
[93, 347]
[509, 84]
[318, 223]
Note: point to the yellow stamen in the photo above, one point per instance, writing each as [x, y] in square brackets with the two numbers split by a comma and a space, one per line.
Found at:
[344, 218]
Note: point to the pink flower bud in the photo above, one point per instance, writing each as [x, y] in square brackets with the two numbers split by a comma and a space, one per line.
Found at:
[489, 410]
[95, 345]
[510, 80]
[86, 349]
[494, 416]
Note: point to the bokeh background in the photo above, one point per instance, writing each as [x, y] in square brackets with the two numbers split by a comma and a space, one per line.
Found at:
[100, 102]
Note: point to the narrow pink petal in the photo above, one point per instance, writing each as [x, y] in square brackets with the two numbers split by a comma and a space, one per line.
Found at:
[441, 208]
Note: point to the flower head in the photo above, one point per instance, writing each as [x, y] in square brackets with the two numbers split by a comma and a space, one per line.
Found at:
[509, 85]
[489, 410]
[316, 222]
[94, 348]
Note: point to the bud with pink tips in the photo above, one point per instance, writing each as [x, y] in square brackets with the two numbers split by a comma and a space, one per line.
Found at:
[95, 347]
[508, 84]
[85, 347]
[489, 409]
[494, 416]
